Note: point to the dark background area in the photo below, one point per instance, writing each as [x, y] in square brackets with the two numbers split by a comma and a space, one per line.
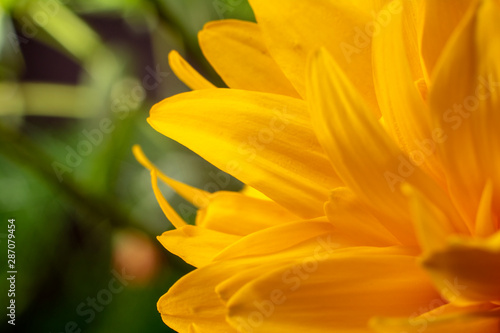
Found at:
[86, 219]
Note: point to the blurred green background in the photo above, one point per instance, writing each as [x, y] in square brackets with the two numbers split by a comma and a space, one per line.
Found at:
[77, 79]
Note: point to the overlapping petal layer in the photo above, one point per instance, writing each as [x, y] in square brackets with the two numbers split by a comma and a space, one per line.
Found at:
[464, 100]
[343, 300]
[237, 52]
[369, 130]
[265, 140]
[291, 46]
[361, 152]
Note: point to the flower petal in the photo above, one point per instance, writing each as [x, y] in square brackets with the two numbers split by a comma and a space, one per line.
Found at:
[221, 211]
[351, 136]
[304, 241]
[192, 300]
[465, 99]
[186, 73]
[433, 227]
[196, 245]
[486, 221]
[193, 328]
[265, 140]
[238, 214]
[237, 52]
[405, 114]
[198, 296]
[440, 18]
[251, 192]
[197, 197]
[280, 238]
[291, 46]
[352, 218]
[280, 301]
[169, 212]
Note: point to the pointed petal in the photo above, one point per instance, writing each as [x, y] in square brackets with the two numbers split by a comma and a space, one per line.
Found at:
[308, 28]
[433, 227]
[251, 192]
[196, 245]
[352, 218]
[199, 297]
[192, 300]
[229, 286]
[169, 212]
[464, 100]
[405, 114]
[264, 140]
[237, 52]
[311, 241]
[343, 301]
[197, 197]
[411, 17]
[221, 211]
[221, 223]
[186, 73]
[283, 236]
[351, 136]
[238, 214]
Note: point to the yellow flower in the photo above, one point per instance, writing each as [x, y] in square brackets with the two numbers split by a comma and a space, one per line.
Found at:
[368, 130]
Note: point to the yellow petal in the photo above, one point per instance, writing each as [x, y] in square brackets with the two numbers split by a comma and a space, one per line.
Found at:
[197, 197]
[332, 293]
[405, 114]
[486, 221]
[196, 245]
[440, 18]
[193, 328]
[376, 8]
[264, 140]
[186, 73]
[282, 237]
[238, 214]
[465, 98]
[237, 52]
[276, 247]
[251, 192]
[473, 266]
[197, 298]
[169, 212]
[265, 251]
[411, 20]
[445, 318]
[226, 288]
[342, 27]
[432, 225]
[352, 218]
[362, 154]
[221, 223]
[192, 300]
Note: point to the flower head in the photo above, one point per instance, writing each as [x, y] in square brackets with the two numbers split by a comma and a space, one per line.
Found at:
[366, 132]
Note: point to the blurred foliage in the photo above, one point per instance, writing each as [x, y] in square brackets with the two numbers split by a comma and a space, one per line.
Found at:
[73, 101]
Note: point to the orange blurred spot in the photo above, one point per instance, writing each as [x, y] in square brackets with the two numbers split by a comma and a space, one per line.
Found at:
[134, 252]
